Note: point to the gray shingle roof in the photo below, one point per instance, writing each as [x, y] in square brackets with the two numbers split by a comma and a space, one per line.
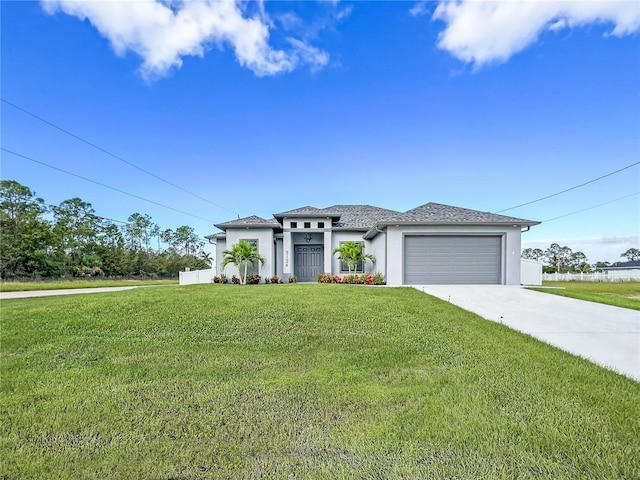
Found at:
[359, 217]
[306, 212]
[438, 213]
[252, 221]
[367, 217]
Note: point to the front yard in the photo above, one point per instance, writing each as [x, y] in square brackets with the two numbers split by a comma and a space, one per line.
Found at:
[298, 381]
[618, 294]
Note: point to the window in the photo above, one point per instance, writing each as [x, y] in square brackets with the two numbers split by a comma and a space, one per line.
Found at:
[320, 224]
[294, 224]
[307, 224]
[344, 268]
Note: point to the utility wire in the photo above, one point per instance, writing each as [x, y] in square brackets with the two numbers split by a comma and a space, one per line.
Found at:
[118, 158]
[569, 189]
[104, 185]
[591, 208]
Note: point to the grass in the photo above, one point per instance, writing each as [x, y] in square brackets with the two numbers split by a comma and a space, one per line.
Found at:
[618, 294]
[298, 381]
[9, 286]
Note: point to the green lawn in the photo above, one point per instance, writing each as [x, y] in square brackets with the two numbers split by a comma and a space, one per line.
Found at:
[298, 381]
[65, 284]
[619, 294]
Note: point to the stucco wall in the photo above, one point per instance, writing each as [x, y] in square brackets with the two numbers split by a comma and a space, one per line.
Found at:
[266, 247]
[295, 236]
[279, 254]
[339, 237]
[378, 248]
[510, 261]
[221, 246]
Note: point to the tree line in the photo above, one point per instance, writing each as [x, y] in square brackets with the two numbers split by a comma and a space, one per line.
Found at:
[70, 240]
[557, 259]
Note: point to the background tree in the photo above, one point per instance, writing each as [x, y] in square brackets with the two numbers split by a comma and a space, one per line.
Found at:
[558, 258]
[138, 231]
[240, 255]
[578, 263]
[632, 255]
[76, 229]
[70, 239]
[598, 266]
[26, 236]
[533, 254]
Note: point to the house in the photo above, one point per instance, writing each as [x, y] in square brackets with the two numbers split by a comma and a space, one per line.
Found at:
[430, 244]
[623, 271]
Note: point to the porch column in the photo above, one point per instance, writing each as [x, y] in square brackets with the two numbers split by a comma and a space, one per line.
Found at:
[287, 255]
[327, 252]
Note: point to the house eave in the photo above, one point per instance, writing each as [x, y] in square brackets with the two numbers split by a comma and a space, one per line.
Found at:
[373, 231]
[280, 217]
[244, 226]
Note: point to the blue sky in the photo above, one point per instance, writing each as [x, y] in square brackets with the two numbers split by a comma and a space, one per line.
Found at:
[265, 107]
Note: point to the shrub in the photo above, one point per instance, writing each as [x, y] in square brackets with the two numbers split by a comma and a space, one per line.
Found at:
[235, 280]
[83, 271]
[267, 280]
[336, 279]
[378, 279]
[275, 279]
[215, 279]
[224, 279]
[293, 279]
[254, 280]
[324, 278]
[351, 279]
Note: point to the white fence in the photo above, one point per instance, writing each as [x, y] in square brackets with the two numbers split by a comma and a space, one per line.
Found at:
[197, 276]
[609, 276]
[530, 272]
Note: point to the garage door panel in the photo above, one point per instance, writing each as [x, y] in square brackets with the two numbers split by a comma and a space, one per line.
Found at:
[452, 259]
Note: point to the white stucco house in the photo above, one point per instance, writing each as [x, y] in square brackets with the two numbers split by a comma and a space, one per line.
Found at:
[430, 244]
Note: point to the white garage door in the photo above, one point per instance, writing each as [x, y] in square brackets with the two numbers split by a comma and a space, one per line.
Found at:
[445, 260]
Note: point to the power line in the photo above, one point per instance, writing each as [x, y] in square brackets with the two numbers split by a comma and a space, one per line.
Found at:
[569, 189]
[105, 186]
[117, 157]
[591, 208]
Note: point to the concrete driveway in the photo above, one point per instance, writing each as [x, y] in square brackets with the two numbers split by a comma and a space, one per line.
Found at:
[69, 291]
[606, 335]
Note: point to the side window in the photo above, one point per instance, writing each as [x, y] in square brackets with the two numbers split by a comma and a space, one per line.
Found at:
[320, 224]
[307, 224]
[253, 243]
[294, 224]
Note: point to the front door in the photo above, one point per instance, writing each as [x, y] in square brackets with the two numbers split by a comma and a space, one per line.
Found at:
[308, 262]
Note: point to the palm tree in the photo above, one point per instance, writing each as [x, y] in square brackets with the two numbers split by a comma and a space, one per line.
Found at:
[352, 253]
[241, 254]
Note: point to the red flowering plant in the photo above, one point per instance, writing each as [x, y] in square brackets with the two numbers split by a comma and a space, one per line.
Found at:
[324, 278]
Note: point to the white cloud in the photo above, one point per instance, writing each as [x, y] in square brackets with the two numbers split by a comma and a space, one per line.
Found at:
[163, 32]
[419, 9]
[486, 31]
